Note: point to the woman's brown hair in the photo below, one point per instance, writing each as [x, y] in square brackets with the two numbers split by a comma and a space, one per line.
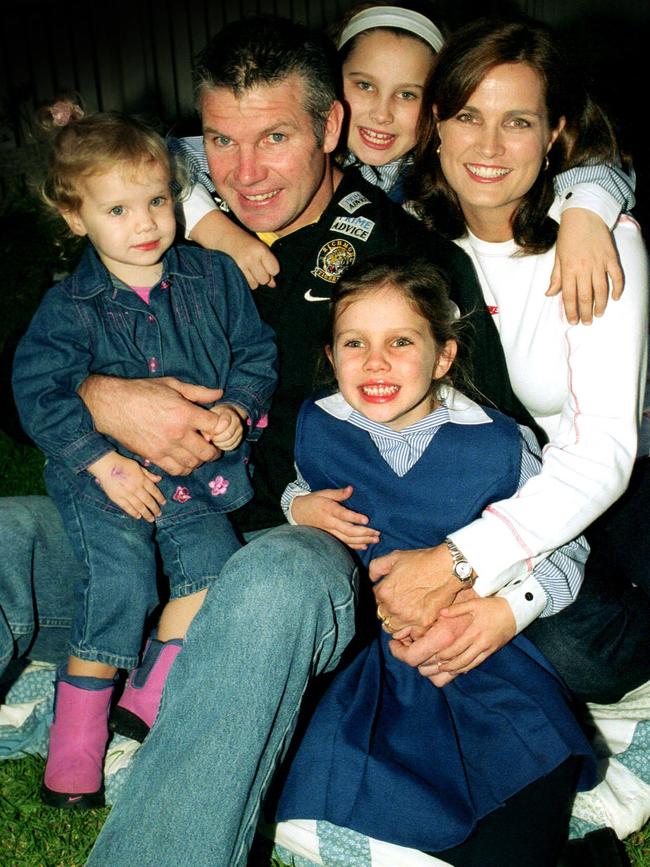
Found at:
[468, 56]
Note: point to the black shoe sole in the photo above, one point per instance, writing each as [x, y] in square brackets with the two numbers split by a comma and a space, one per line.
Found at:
[123, 722]
[67, 801]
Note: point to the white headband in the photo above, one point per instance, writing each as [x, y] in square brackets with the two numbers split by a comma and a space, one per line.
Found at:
[395, 17]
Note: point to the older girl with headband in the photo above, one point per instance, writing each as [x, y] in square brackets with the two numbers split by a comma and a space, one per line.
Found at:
[387, 53]
[135, 307]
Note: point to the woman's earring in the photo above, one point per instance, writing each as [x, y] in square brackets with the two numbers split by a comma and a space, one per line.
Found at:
[546, 164]
[440, 146]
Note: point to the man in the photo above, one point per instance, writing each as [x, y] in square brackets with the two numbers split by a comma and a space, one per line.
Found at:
[283, 609]
[279, 178]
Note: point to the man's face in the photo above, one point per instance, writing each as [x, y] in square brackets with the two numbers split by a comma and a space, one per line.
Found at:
[263, 155]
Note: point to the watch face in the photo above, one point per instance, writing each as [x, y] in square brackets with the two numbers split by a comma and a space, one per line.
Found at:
[463, 570]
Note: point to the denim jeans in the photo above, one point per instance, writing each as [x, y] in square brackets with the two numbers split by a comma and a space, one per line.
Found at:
[38, 572]
[119, 591]
[282, 611]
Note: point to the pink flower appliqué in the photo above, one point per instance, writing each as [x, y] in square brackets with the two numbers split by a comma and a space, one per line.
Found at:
[218, 485]
[262, 423]
[181, 495]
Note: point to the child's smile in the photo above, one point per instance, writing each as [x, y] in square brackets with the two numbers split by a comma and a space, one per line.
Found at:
[385, 358]
[383, 80]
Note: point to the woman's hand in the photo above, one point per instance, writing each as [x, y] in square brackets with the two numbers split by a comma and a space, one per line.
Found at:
[491, 625]
[585, 257]
[323, 510]
[425, 650]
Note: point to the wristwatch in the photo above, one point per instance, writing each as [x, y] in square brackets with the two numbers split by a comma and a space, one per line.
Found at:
[462, 568]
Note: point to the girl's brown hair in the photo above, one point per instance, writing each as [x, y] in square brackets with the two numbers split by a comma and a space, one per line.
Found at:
[423, 286]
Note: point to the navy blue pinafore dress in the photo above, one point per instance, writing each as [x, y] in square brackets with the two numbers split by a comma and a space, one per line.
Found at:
[386, 753]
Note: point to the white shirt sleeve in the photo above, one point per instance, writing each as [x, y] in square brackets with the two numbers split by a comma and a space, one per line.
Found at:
[593, 198]
[556, 580]
[194, 207]
[588, 462]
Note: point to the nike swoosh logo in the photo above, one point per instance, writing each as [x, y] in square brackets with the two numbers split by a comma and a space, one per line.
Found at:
[72, 799]
[310, 297]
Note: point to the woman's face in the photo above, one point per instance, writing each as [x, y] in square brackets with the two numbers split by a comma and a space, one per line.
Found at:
[383, 80]
[493, 148]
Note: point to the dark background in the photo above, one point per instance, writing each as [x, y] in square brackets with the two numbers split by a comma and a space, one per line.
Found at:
[136, 55]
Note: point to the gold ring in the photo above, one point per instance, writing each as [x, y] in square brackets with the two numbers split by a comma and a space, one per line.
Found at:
[385, 625]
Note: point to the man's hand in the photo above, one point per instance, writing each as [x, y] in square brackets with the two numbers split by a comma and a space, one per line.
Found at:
[416, 585]
[156, 418]
[128, 485]
[323, 510]
[585, 256]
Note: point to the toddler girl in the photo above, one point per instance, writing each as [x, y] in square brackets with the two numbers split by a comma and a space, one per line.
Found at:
[136, 306]
[395, 460]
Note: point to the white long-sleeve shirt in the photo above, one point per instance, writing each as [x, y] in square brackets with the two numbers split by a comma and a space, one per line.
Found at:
[583, 384]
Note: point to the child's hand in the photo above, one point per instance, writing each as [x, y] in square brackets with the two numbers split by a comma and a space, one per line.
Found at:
[584, 257]
[492, 624]
[322, 509]
[216, 231]
[256, 261]
[129, 485]
[228, 432]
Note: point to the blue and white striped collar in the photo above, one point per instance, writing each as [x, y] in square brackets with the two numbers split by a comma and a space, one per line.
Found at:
[461, 409]
[403, 449]
[384, 176]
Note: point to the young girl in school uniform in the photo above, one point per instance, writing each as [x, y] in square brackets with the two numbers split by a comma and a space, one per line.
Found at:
[135, 307]
[386, 753]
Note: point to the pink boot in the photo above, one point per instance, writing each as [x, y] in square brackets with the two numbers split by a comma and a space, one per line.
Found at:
[78, 737]
[138, 708]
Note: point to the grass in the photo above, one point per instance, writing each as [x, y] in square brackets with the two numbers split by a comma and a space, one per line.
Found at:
[31, 834]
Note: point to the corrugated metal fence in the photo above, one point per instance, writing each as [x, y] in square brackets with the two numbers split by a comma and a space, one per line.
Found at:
[136, 55]
[132, 55]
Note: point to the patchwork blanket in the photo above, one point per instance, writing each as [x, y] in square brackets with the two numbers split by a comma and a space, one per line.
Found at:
[621, 800]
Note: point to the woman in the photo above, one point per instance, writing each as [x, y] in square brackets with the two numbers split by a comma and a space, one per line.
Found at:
[505, 121]
[502, 121]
